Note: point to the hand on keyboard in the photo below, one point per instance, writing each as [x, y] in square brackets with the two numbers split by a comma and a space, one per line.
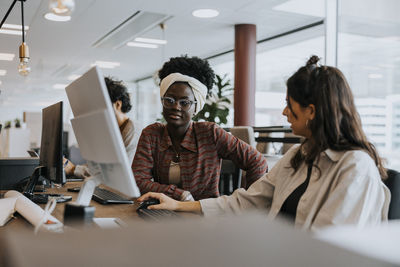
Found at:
[146, 212]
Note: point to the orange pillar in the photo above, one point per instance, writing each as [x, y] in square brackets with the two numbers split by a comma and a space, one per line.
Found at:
[245, 74]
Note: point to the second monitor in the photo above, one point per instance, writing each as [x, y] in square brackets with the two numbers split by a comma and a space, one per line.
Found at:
[98, 136]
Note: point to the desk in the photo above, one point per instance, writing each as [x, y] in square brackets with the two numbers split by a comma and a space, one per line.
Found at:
[125, 212]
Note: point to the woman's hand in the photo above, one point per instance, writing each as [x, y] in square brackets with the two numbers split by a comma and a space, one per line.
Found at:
[168, 203]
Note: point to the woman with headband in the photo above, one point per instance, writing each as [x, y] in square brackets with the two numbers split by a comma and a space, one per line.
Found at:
[182, 158]
[332, 178]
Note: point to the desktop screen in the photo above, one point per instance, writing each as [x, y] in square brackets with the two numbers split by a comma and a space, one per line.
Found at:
[98, 135]
[51, 153]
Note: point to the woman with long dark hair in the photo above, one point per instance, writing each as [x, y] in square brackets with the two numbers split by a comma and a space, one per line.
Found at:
[333, 177]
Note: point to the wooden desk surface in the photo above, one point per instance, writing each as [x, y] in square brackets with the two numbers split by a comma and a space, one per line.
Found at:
[125, 212]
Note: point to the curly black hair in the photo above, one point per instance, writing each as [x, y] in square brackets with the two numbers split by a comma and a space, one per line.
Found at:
[191, 66]
[117, 91]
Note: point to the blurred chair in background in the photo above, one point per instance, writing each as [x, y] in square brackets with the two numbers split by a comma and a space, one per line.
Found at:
[244, 133]
[230, 178]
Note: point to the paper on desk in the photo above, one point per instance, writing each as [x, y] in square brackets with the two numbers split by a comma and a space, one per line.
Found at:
[7, 209]
[32, 212]
[108, 222]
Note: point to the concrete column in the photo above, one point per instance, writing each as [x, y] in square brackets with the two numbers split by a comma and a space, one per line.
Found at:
[245, 74]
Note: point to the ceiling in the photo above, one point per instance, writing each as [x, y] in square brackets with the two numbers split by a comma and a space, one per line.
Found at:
[61, 49]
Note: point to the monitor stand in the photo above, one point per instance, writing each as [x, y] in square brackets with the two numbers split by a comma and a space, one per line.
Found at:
[79, 212]
[41, 198]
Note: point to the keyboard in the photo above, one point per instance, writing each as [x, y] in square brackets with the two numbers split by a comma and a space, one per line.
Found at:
[103, 196]
[157, 215]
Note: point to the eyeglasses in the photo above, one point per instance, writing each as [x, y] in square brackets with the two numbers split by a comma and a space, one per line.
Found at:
[169, 102]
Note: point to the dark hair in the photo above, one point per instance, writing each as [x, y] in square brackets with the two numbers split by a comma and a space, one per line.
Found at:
[117, 91]
[191, 66]
[337, 124]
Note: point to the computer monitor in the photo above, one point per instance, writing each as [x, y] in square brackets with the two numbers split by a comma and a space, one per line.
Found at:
[100, 142]
[51, 157]
[51, 153]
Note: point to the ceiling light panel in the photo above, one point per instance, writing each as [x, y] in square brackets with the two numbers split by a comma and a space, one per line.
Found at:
[144, 45]
[53, 17]
[73, 77]
[205, 13]
[106, 64]
[136, 25]
[3, 72]
[12, 32]
[7, 56]
[14, 27]
[60, 86]
[150, 40]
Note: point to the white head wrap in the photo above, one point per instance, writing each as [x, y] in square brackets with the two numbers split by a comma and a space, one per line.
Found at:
[199, 89]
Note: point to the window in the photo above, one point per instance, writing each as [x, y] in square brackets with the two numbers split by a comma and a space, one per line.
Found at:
[277, 60]
[148, 102]
[369, 56]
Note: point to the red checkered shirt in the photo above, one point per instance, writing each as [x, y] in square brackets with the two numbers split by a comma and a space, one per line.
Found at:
[202, 149]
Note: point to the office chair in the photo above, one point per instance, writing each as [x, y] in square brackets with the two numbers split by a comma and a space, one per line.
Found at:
[244, 133]
[230, 177]
[263, 147]
[393, 183]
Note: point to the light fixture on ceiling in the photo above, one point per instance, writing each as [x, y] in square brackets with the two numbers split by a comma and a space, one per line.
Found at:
[12, 29]
[73, 77]
[7, 56]
[59, 86]
[106, 64]
[54, 17]
[62, 7]
[23, 68]
[205, 13]
[3, 72]
[150, 40]
[144, 45]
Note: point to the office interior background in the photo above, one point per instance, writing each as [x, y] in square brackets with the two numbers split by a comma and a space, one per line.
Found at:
[360, 37]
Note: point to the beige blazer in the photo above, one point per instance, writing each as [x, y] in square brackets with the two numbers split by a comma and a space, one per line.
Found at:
[346, 188]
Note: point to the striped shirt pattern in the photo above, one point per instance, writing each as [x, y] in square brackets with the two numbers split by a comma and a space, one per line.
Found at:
[202, 149]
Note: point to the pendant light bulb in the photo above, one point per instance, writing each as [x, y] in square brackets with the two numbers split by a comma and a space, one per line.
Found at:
[23, 68]
[62, 7]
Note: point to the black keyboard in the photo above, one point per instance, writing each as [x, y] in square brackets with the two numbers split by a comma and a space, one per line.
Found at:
[157, 215]
[103, 196]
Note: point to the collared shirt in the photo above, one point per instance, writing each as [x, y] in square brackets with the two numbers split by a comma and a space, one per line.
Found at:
[202, 148]
[345, 188]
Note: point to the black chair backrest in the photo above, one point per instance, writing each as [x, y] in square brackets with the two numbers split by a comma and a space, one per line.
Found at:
[230, 179]
[393, 183]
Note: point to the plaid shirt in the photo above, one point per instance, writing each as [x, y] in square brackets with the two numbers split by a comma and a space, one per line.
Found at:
[203, 147]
